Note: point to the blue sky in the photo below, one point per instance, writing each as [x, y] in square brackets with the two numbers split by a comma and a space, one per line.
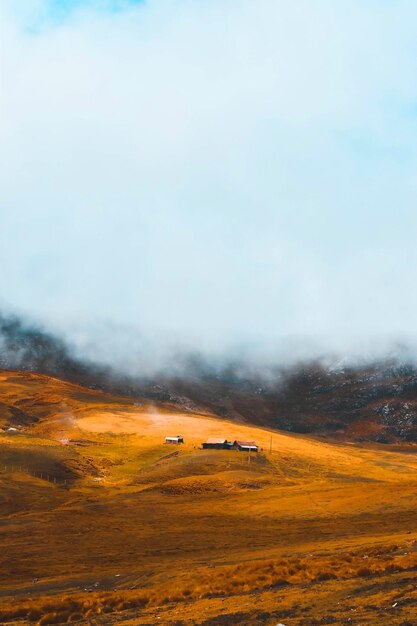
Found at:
[35, 15]
[218, 171]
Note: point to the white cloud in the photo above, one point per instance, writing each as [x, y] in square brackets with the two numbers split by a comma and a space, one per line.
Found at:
[218, 169]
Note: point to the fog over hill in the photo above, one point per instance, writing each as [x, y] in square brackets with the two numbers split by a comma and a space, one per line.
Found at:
[195, 185]
[373, 399]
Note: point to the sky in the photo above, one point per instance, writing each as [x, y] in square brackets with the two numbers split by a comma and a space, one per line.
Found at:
[210, 172]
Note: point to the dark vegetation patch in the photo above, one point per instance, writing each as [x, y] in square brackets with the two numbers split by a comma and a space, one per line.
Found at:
[44, 461]
[238, 619]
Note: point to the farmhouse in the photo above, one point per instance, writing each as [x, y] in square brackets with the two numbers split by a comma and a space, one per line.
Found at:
[245, 446]
[176, 440]
[215, 443]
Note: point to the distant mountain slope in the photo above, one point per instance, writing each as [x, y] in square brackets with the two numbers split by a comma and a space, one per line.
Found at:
[376, 402]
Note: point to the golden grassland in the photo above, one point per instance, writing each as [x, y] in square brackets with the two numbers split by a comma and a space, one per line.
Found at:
[103, 523]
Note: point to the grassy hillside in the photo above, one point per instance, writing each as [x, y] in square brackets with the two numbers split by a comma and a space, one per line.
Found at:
[103, 523]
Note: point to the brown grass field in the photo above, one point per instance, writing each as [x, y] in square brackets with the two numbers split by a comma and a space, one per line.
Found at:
[103, 523]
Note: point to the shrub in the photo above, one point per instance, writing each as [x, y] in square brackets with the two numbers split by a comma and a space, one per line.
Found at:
[364, 571]
[323, 576]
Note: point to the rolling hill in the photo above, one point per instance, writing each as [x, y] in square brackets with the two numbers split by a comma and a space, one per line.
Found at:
[104, 523]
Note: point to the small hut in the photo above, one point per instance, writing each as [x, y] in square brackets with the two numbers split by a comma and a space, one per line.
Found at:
[175, 440]
[245, 446]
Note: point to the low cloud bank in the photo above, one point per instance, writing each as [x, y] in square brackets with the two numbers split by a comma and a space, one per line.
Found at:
[112, 353]
[210, 173]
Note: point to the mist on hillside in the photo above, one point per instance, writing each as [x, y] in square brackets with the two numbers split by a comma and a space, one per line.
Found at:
[123, 352]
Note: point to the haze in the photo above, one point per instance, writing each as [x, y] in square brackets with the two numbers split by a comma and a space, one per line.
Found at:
[216, 171]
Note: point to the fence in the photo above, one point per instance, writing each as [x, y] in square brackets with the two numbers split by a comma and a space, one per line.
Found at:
[42, 474]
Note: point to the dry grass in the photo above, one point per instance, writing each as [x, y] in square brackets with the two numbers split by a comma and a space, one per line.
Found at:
[221, 581]
[192, 529]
